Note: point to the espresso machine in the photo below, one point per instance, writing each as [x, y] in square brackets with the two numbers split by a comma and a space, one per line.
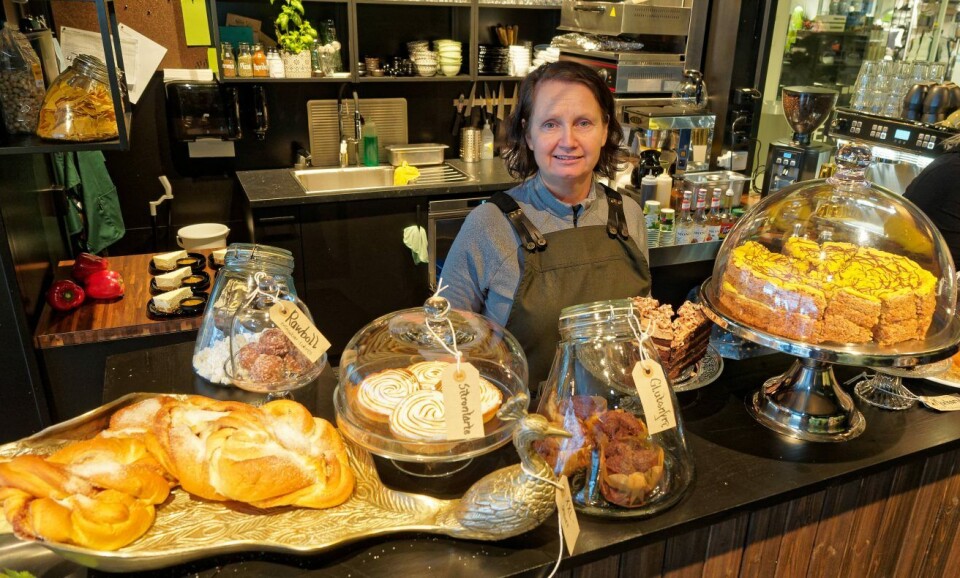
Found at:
[688, 133]
[789, 162]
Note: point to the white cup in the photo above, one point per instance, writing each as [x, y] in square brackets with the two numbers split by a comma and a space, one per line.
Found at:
[203, 236]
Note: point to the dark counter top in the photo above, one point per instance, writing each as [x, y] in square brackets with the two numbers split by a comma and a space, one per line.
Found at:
[277, 187]
[739, 464]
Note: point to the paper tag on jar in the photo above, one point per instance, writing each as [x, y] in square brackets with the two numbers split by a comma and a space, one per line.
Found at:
[568, 515]
[654, 391]
[942, 402]
[299, 329]
[461, 402]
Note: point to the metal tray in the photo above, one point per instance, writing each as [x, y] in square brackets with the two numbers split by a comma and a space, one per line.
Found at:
[416, 154]
[188, 528]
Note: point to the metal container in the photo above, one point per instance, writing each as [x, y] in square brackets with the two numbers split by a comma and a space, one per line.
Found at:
[416, 154]
[660, 17]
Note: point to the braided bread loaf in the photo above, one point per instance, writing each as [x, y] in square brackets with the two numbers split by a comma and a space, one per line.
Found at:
[101, 493]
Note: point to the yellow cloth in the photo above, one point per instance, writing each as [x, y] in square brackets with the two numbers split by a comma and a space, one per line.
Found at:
[404, 174]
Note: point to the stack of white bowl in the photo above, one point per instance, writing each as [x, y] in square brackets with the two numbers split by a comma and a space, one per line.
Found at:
[425, 61]
[544, 53]
[451, 56]
[519, 63]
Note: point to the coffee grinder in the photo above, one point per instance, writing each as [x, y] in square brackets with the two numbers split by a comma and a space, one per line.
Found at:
[788, 162]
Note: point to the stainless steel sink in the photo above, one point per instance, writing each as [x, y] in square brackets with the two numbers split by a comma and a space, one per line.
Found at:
[319, 181]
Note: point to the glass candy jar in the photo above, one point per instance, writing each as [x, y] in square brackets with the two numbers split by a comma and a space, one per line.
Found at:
[78, 105]
[234, 281]
[390, 396]
[262, 358]
[627, 455]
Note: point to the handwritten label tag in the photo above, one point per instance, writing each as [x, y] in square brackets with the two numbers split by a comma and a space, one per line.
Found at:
[568, 516]
[942, 402]
[461, 402]
[654, 392]
[299, 329]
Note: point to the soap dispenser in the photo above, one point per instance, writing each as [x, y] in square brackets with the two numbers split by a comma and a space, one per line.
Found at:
[371, 145]
[486, 142]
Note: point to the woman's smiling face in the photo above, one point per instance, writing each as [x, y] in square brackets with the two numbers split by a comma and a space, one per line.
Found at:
[566, 132]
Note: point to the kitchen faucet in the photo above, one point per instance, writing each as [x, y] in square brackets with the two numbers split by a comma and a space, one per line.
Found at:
[353, 145]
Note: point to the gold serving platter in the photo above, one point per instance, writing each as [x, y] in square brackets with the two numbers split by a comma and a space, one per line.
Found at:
[188, 528]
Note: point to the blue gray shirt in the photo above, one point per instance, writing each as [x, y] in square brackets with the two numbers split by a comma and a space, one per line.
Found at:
[482, 269]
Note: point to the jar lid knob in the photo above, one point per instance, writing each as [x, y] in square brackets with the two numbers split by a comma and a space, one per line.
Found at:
[436, 308]
[853, 160]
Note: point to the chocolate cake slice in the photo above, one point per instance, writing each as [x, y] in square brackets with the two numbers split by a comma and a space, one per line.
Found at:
[680, 340]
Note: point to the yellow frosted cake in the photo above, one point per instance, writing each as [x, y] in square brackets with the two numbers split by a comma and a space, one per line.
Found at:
[833, 291]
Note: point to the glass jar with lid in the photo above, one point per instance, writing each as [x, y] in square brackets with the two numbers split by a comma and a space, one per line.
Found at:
[390, 398]
[627, 454]
[78, 105]
[234, 281]
[262, 356]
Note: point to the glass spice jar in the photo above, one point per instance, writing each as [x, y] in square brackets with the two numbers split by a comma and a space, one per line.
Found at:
[234, 281]
[627, 454]
[259, 59]
[78, 105]
[245, 61]
[227, 61]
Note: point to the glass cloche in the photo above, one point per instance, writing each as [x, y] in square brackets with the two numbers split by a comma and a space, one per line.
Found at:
[390, 400]
[836, 270]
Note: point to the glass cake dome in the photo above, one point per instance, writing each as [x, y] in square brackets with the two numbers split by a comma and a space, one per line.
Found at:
[834, 270]
[389, 399]
[838, 263]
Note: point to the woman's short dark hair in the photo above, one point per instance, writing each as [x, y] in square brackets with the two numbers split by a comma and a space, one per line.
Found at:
[519, 158]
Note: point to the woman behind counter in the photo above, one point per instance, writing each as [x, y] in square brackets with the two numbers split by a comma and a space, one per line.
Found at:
[560, 238]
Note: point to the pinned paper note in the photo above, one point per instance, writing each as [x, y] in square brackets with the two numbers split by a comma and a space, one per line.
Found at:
[196, 26]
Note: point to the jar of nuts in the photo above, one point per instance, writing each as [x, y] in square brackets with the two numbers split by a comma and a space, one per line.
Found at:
[21, 82]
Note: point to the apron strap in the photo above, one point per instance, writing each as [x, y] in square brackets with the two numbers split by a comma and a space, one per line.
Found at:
[530, 236]
[616, 221]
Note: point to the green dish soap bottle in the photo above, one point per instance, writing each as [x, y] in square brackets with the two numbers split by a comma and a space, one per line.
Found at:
[371, 146]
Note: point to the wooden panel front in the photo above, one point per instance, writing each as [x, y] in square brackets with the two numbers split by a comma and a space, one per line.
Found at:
[107, 320]
[902, 521]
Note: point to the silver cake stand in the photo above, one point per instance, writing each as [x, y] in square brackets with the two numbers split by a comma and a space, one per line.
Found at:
[806, 401]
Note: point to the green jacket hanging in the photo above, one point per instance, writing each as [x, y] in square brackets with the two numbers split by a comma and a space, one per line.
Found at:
[93, 207]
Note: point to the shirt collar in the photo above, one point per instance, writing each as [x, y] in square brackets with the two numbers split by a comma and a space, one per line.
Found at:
[555, 206]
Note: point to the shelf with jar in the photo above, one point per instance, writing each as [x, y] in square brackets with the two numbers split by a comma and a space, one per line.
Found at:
[326, 59]
[90, 114]
[382, 31]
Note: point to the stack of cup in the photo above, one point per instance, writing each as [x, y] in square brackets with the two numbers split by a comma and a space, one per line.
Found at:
[470, 144]
[519, 60]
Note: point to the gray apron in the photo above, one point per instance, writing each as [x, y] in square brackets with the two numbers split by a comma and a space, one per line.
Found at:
[565, 268]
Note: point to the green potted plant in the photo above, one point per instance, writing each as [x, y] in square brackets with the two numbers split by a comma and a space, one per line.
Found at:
[295, 36]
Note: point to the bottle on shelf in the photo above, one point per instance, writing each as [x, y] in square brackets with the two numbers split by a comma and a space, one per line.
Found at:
[371, 145]
[664, 184]
[651, 213]
[700, 217]
[667, 234]
[727, 218]
[227, 61]
[316, 59]
[274, 64]
[331, 39]
[713, 217]
[259, 60]
[676, 193]
[486, 142]
[648, 188]
[244, 61]
[683, 228]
